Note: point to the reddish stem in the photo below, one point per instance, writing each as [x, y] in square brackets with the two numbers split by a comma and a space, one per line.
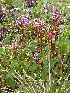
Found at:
[41, 45]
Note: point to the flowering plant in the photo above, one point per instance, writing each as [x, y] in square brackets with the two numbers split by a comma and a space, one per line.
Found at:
[34, 50]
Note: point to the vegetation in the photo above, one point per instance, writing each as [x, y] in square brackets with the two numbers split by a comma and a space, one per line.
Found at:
[34, 46]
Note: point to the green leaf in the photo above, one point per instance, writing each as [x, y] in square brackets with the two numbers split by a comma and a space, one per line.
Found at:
[17, 37]
[43, 73]
[10, 80]
[0, 91]
[9, 20]
[9, 1]
[24, 66]
[63, 46]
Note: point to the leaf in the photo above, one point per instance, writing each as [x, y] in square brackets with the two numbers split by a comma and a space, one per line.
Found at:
[0, 91]
[24, 66]
[10, 80]
[16, 65]
[63, 46]
[38, 74]
[43, 73]
[17, 37]
[9, 1]
[9, 20]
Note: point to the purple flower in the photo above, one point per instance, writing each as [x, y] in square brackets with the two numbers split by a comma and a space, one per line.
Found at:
[50, 10]
[25, 21]
[55, 13]
[61, 31]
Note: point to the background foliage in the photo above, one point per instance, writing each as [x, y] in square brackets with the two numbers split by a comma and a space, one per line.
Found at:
[19, 71]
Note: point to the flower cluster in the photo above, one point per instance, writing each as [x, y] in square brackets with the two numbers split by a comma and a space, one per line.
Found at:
[39, 28]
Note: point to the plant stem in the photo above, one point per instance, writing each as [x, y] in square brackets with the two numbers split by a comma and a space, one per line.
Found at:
[49, 69]
[49, 77]
[41, 45]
